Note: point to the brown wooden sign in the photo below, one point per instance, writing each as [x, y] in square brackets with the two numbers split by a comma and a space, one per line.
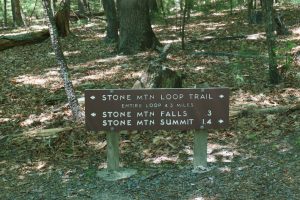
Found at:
[157, 109]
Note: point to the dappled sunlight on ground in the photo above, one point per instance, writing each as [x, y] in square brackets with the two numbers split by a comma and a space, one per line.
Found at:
[97, 62]
[170, 41]
[112, 59]
[98, 75]
[134, 75]
[209, 26]
[221, 153]
[42, 118]
[244, 99]
[2, 120]
[50, 79]
[161, 159]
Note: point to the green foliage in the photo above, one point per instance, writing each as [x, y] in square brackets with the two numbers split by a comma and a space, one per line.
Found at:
[298, 142]
[286, 60]
[55, 98]
[3, 98]
[251, 136]
[82, 22]
[294, 1]
[88, 85]
[236, 72]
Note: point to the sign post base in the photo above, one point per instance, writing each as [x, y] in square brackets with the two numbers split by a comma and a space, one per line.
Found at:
[113, 171]
[200, 149]
[114, 175]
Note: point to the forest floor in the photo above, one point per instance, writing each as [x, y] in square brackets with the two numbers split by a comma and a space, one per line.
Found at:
[257, 157]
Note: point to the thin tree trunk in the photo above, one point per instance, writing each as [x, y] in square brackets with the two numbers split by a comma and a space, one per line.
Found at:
[112, 22]
[62, 19]
[183, 25]
[81, 7]
[72, 100]
[53, 6]
[189, 7]
[5, 12]
[16, 12]
[274, 75]
[23, 17]
[250, 10]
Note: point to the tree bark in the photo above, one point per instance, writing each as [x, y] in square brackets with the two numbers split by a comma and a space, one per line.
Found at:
[159, 76]
[72, 100]
[183, 20]
[274, 75]
[82, 6]
[136, 33]
[250, 11]
[62, 19]
[5, 13]
[112, 22]
[16, 12]
[53, 6]
[23, 39]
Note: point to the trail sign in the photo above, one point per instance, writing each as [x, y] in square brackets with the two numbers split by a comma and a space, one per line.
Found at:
[157, 109]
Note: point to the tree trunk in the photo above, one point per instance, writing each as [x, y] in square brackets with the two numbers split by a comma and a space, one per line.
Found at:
[112, 22]
[250, 10]
[274, 75]
[62, 19]
[183, 25]
[72, 100]
[159, 76]
[53, 6]
[82, 6]
[136, 33]
[5, 13]
[190, 4]
[231, 6]
[16, 12]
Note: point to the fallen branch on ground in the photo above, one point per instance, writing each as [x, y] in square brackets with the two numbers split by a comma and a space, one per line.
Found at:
[208, 38]
[9, 41]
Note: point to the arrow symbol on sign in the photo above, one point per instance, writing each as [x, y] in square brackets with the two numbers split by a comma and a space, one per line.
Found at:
[221, 96]
[93, 97]
[221, 121]
[93, 114]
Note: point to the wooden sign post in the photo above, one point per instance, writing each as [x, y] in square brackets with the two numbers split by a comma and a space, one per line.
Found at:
[157, 109]
[113, 152]
[200, 148]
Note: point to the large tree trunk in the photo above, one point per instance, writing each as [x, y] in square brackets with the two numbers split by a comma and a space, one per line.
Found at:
[62, 19]
[72, 100]
[136, 33]
[16, 12]
[274, 75]
[112, 22]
